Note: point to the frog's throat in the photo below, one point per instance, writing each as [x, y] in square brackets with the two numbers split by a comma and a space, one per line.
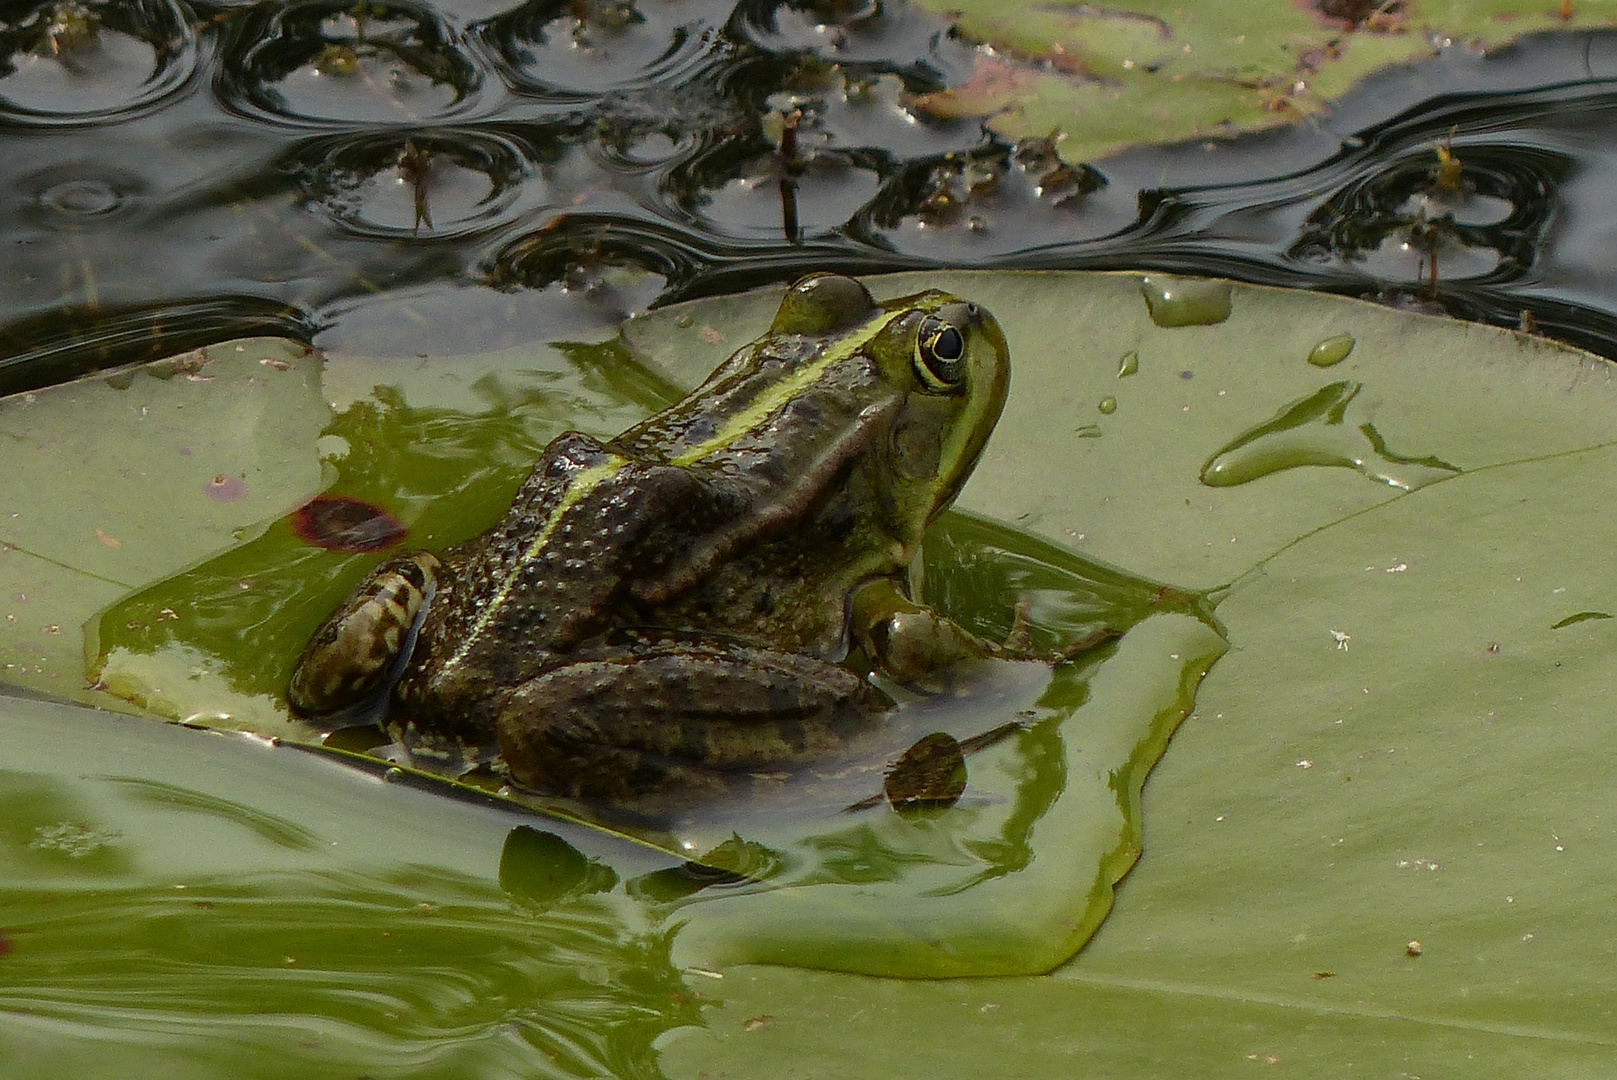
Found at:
[752, 417]
[734, 428]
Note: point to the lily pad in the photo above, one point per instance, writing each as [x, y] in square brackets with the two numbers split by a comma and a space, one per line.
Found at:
[1107, 77]
[1388, 556]
[117, 481]
[1373, 844]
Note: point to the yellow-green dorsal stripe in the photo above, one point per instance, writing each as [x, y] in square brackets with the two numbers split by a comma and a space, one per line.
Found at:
[735, 427]
[783, 391]
[581, 485]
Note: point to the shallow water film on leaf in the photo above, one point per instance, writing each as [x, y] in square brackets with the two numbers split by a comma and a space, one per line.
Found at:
[1356, 609]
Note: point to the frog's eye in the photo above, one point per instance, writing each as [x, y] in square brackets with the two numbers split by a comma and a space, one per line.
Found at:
[940, 356]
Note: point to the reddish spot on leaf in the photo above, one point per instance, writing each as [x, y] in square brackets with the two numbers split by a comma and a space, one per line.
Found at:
[108, 539]
[339, 523]
[6, 944]
[224, 488]
[995, 85]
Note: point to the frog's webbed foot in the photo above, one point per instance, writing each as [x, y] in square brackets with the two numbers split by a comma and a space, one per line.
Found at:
[352, 661]
[910, 642]
[1018, 644]
[675, 716]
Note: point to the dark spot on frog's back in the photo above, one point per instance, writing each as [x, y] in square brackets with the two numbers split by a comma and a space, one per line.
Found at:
[804, 410]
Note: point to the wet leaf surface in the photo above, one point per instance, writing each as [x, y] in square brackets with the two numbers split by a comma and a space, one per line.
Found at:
[1400, 746]
[1406, 744]
[1108, 77]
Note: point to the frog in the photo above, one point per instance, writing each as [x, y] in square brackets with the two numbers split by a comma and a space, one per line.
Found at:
[721, 589]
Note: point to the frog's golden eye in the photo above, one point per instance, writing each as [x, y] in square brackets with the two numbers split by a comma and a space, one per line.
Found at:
[940, 356]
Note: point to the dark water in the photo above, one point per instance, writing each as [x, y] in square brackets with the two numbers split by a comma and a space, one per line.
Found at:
[409, 178]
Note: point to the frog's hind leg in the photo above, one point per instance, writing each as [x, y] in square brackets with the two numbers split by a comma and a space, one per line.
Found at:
[673, 717]
[350, 665]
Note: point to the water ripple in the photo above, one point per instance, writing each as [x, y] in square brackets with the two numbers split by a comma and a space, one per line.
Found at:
[553, 48]
[439, 182]
[326, 61]
[334, 972]
[66, 62]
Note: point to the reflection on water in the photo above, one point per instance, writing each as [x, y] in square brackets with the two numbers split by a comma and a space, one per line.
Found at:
[270, 936]
[307, 163]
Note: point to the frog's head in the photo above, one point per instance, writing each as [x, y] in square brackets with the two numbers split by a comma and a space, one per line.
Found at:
[947, 366]
[952, 356]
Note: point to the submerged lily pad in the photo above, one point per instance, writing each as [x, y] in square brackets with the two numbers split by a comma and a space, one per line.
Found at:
[1105, 77]
[1447, 617]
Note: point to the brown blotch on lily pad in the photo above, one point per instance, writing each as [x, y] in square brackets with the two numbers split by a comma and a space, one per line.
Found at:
[339, 523]
[929, 776]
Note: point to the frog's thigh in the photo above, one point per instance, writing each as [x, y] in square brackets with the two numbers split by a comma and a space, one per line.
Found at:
[673, 706]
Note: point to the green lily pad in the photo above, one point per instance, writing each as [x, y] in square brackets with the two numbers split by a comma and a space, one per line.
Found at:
[186, 903]
[1373, 845]
[1107, 77]
[1405, 745]
[116, 481]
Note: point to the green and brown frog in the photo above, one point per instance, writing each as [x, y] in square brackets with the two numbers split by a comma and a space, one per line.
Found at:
[676, 604]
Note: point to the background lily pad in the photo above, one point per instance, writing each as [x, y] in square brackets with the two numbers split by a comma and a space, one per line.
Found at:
[1402, 746]
[1107, 77]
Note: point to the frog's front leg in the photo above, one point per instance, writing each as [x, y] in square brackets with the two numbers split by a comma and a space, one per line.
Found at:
[906, 640]
[910, 641]
[356, 655]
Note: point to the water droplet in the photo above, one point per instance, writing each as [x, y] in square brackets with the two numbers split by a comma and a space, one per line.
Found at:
[80, 198]
[1128, 364]
[1107, 405]
[1175, 301]
[1318, 430]
[1331, 351]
